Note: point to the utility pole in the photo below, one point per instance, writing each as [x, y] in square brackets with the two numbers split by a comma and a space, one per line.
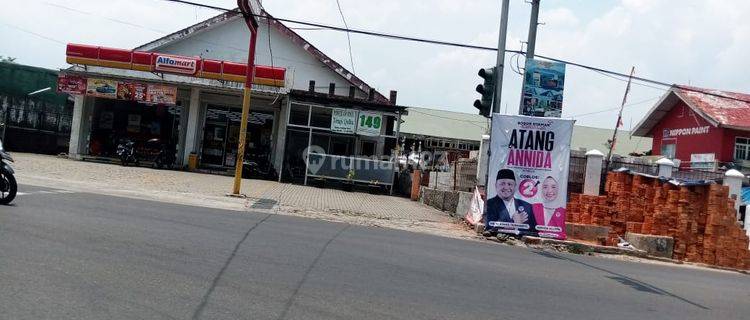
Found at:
[499, 64]
[530, 43]
[533, 23]
[619, 118]
[500, 56]
[252, 24]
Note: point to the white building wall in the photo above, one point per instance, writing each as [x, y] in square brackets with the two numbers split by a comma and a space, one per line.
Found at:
[230, 41]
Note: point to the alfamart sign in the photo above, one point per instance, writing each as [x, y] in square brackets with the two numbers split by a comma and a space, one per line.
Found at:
[175, 64]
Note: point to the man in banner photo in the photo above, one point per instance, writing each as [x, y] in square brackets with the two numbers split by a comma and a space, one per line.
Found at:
[529, 158]
[504, 211]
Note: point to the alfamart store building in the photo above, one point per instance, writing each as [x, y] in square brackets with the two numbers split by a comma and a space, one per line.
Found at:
[185, 90]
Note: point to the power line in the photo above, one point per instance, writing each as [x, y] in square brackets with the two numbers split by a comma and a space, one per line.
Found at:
[107, 18]
[468, 46]
[616, 108]
[365, 32]
[471, 122]
[348, 38]
[634, 82]
[33, 33]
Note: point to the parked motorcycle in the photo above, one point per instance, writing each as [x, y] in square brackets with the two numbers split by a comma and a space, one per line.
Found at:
[259, 168]
[126, 153]
[165, 156]
[8, 185]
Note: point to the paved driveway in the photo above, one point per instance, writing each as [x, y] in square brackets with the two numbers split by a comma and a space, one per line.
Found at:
[210, 190]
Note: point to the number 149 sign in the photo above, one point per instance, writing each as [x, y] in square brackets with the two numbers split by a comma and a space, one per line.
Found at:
[369, 124]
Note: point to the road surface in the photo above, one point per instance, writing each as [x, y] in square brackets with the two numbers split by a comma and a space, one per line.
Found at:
[67, 255]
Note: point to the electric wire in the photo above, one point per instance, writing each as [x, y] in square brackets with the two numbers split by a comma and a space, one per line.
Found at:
[469, 46]
[348, 37]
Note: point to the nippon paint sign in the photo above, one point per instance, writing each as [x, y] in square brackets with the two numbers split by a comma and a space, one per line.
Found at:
[671, 133]
[175, 64]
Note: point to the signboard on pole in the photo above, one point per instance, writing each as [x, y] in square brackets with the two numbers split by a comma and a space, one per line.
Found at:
[369, 123]
[543, 88]
[344, 120]
[528, 177]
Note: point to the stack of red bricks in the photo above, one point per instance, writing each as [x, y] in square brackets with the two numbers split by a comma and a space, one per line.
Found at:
[701, 219]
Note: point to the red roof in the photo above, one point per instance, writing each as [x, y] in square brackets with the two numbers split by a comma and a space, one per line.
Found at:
[728, 109]
[720, 108]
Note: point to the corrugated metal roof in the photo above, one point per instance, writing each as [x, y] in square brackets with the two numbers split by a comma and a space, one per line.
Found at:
[466, 126]
[720, 108]
[728, 109]
[444, 124]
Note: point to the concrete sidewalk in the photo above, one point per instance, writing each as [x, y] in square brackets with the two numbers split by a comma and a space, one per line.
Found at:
[210, 191]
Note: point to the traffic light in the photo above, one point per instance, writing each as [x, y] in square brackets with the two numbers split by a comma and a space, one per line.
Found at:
[487, 90]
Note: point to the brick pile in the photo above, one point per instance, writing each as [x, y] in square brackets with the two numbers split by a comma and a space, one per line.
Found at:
[701, 219]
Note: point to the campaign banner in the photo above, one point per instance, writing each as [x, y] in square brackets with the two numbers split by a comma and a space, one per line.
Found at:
[528, 177]
[71, 84]
[543, 84]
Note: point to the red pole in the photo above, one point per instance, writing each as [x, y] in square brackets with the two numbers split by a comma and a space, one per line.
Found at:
[245, 108]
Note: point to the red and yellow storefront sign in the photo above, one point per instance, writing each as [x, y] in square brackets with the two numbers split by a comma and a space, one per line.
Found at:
[158, 62]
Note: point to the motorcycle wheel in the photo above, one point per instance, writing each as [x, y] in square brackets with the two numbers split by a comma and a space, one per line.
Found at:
[8, 187]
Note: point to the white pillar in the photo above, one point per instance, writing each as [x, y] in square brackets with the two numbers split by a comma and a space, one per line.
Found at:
[484, 147]
[280, 143]
[733, 179]
[191, 133]
[79, 127]
[592, 181]
[665, 167]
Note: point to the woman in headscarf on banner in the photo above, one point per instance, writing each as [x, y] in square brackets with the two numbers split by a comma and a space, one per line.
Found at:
[550, 214]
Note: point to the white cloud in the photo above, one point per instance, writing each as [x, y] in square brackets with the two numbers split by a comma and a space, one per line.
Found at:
[703, 42]
[558, 17]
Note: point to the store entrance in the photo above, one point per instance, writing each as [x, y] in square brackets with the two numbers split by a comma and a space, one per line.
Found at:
[222, 129]
[151, 127]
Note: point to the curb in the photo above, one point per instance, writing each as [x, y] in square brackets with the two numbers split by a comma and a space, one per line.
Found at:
[583, 248]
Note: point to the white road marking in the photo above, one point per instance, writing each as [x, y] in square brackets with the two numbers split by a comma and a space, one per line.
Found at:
[44, 192]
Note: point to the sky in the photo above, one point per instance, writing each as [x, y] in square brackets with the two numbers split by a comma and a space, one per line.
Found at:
[700, 43]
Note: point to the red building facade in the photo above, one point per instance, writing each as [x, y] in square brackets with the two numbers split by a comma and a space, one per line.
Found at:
[701, 128]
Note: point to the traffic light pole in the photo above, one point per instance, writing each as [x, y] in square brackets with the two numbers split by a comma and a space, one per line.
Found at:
[500, 63]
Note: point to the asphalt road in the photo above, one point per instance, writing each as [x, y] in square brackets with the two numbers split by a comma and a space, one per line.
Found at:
[84, 256]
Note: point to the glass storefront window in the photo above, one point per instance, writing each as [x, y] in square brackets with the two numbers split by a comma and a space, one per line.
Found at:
[321, 117]
[221, 133]
[299, 114]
